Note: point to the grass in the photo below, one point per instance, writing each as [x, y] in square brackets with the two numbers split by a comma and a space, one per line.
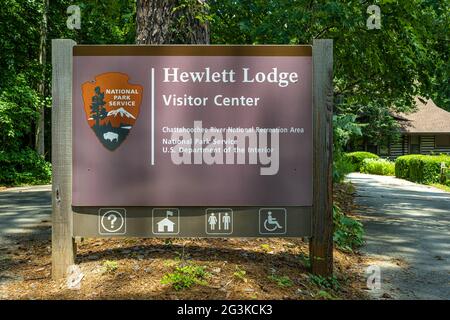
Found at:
[441, 186]
[185, 277]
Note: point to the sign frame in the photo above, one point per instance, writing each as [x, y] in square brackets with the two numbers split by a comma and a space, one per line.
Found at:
[63, 244]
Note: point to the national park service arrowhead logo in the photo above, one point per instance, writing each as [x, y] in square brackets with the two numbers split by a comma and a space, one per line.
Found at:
[112, 106]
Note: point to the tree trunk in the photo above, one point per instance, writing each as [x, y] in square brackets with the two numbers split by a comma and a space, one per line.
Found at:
[169, 21]
[39, 138]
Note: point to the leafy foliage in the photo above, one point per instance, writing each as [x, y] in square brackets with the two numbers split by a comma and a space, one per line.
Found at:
[185, 276]
[110, 266]
[344, 128]
[376, 71]
[240, 274]
[185, 12]
[18, 107]
[305, 260]
[348, 232]
[341, 167]
[21, 72]
[325, 282]
[378, 166]
[281, 281]
[325, 295]
[102, 21]
[23, 167]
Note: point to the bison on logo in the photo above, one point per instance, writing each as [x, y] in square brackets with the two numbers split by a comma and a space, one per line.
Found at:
[112, 107]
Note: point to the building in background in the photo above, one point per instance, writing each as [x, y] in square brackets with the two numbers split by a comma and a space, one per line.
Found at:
[424, 131]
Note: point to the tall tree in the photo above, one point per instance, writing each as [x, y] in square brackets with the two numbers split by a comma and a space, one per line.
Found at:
[172, 21]
[39, 138]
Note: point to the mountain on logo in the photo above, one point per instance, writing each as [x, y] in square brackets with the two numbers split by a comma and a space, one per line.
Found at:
[122, 112]
[111, 126]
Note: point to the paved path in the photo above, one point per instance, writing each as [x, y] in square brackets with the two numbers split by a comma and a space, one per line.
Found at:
[407, 234]
[24, 209]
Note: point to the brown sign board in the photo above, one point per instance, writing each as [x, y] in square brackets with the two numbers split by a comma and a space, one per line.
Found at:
[192, 141]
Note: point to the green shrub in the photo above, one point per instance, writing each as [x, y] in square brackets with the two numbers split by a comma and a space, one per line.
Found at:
[341, 167]
[348, 232]
[420, 168]
[185, 277]
[23, 167]
[381, 167]
[356, 158]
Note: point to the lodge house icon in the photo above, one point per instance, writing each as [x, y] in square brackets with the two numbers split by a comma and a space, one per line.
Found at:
[166, 225]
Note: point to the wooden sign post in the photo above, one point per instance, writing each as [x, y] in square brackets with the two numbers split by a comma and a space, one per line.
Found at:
[321, 243]
[63, 244]
[295, 201]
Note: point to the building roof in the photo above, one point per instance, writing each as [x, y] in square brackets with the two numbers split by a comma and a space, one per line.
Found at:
[428, 118]
[165, 221]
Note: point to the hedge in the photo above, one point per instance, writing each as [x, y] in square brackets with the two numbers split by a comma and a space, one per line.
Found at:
[420, 168]
[356, 158]
[378, 166]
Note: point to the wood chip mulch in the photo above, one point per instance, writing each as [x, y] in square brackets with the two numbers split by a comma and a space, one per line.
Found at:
[238, 268]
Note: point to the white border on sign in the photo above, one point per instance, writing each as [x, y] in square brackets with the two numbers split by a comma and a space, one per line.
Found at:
[218, 233]
[100, 222]
[168, 233]
[268, 232]
[153, 118]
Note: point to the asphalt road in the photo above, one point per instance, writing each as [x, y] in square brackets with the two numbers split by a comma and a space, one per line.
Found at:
[407, 234]
[25, 210]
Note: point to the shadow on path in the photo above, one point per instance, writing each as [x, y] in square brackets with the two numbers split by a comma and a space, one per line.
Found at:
[408, 230]
[23, 209]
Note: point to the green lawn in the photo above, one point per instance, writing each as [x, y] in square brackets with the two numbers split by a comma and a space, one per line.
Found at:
[441, 186]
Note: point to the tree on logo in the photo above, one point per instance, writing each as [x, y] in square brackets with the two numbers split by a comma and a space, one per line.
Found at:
[98, 111]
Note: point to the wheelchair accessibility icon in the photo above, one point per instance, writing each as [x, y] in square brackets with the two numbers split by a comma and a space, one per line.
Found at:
[272, 221]
[271, 224]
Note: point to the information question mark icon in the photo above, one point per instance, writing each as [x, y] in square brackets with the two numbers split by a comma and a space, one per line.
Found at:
[113, 219]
